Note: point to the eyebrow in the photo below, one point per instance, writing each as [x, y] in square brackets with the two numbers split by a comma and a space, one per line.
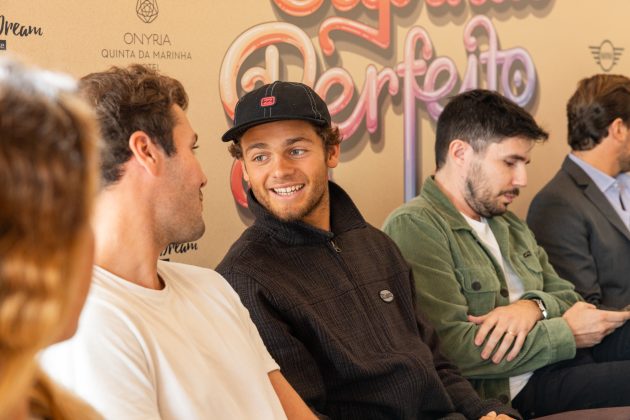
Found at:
[518, 157]
[288, 142]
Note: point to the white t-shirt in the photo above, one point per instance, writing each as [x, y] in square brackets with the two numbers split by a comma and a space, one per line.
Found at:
[514, 283]
[188, 351]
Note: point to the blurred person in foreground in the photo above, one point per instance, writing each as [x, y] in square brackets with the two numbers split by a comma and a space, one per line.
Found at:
[47, 181]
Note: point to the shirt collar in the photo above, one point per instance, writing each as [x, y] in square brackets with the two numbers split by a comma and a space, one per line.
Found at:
[602, 180]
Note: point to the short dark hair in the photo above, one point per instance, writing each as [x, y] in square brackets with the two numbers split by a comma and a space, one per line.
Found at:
[329, 135]
[480, 117]
[135, 98]
[596, 103]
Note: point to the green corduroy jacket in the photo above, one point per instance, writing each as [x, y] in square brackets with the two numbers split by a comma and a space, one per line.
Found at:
[456, 275]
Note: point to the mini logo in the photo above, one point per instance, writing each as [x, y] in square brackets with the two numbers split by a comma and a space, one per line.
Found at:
[268, 101]
[147, 10]
[3, 44]
[606, 54]
[386, 295]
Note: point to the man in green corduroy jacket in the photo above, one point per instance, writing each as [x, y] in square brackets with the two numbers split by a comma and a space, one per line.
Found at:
[515, 328]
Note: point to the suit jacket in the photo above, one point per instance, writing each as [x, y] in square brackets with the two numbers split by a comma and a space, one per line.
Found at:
[585, 239]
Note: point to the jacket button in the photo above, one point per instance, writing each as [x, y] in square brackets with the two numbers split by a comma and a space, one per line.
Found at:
[504, 293]
[386, 295]
[476, 285]
[504, 399]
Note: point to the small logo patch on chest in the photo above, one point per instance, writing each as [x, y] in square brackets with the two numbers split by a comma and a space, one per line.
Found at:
[386, 295]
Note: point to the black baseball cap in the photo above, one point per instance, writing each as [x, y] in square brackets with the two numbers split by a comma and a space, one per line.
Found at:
[275, 102]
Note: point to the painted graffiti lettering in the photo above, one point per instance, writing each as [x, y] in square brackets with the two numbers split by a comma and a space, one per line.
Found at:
[420, 77]
[455, 3]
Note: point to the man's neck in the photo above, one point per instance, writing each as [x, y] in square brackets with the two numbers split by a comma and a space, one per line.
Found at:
[320, 216]
[124, 241]
[601, 159]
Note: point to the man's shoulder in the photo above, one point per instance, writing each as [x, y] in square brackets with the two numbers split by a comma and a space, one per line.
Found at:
[417, 210]
[560, 196]
[253, 245]
[560, 186]
[416, 207]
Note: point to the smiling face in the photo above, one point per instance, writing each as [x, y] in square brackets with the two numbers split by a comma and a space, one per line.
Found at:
[286, 166]
[495, 175]
[180, 210]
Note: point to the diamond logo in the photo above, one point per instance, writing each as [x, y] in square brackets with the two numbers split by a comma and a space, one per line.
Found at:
[147, 10]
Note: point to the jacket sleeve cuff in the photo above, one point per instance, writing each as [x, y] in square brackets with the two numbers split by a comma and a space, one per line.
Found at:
[554, 309]
[561, 339]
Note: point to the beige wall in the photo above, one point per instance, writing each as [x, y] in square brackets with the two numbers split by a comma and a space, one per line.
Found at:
[85, 36]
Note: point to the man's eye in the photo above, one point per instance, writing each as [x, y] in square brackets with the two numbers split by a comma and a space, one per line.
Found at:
[297, 152]
[259, 158]
[510, 163]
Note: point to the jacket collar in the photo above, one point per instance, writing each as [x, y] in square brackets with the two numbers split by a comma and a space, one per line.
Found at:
[432, 193]
[498, 225]
[344, 216]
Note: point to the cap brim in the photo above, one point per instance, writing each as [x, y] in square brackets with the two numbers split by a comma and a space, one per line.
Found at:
[233, 133]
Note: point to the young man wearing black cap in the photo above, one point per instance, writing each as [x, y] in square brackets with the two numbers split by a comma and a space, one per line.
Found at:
[331, 295]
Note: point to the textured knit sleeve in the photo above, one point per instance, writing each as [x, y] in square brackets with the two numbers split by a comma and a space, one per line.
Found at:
[425, 245]
[296, 362]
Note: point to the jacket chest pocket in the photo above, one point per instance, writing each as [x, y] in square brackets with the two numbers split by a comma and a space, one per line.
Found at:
[480, 287]
[531, 271]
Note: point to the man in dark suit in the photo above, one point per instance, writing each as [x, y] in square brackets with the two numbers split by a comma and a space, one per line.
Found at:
[582, 216]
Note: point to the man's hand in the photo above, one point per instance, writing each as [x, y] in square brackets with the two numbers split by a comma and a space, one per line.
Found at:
[493, 416]
[510, 325]
[590, 325]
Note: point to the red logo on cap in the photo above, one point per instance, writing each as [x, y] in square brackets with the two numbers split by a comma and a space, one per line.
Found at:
[268, 101]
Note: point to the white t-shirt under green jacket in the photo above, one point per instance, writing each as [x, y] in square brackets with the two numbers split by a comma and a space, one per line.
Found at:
[188, 351]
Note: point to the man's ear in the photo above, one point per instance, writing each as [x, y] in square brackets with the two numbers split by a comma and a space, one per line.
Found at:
[459, 151]
[145, 151]
[332, 160]
[618, 130]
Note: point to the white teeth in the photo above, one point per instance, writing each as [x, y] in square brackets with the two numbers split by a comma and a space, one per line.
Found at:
[288, 190]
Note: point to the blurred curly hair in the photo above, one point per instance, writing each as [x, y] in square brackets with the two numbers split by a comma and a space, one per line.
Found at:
[47, 183]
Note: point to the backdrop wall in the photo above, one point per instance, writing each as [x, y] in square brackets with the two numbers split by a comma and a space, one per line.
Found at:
[385, 68]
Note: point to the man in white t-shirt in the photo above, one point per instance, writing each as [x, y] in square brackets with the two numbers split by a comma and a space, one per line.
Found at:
[157, 339]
